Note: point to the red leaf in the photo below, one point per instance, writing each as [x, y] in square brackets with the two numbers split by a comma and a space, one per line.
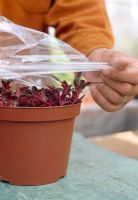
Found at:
[67, 94]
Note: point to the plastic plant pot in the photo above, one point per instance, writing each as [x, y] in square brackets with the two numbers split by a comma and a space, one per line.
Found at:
[35, 143]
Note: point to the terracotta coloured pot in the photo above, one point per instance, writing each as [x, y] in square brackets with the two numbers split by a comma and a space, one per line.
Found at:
[35, 143]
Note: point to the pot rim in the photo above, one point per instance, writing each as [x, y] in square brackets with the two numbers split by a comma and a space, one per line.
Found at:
[39, 114]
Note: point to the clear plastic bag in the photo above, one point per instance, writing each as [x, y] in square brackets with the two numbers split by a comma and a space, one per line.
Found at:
[29, 53]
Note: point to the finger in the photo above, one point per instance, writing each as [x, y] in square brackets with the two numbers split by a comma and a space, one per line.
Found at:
[103, 102]
[92, 76]
[122, 88]
[110, 94]
[113, 96]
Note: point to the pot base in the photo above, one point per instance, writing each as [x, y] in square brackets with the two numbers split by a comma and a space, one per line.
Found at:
[31, 184]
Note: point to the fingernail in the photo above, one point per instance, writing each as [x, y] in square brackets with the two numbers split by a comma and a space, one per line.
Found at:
[106, 72]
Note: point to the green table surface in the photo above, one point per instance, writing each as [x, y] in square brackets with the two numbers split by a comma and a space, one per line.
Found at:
[93, 174]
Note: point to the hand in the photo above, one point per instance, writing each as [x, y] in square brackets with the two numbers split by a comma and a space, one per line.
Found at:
[120, 79]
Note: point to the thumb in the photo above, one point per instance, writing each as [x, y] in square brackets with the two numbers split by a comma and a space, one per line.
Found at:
[118, 62]
[114, 58]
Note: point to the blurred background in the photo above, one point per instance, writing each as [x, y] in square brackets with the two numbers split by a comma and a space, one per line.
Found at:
[123, 15]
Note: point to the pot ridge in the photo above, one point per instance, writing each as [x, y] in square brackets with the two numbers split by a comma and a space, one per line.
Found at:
[34, 114]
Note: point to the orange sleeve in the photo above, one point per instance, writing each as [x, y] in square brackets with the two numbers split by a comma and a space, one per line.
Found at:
[81, 23]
